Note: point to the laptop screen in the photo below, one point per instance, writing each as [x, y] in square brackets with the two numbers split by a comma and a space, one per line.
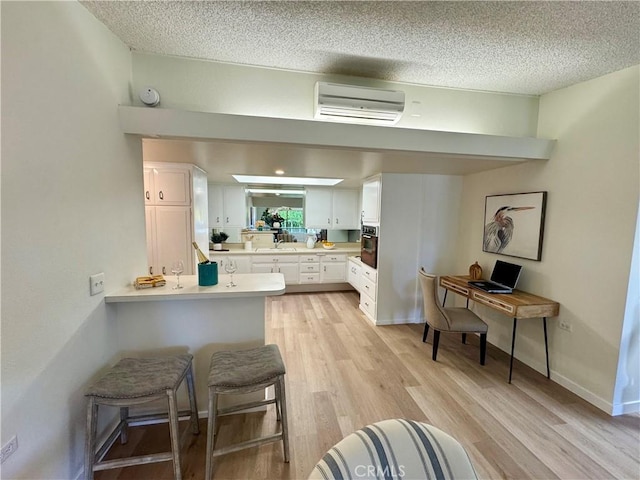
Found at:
[506, 273]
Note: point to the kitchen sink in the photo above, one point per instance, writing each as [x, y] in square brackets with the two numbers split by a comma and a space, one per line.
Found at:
[272, 250]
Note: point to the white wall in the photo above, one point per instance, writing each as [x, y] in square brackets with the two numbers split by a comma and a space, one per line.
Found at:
[592, 180]
[71, 207]
[189, 84]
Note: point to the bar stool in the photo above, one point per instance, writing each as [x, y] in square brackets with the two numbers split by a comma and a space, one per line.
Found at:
[245, 371]
[134, 381]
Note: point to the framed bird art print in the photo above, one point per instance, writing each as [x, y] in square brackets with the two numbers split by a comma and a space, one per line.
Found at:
[514, 224]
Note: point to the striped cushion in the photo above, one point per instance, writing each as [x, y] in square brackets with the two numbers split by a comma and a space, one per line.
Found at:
[401, 449]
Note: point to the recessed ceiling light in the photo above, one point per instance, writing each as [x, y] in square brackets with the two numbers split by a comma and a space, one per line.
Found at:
[287, 180]
[279, 172]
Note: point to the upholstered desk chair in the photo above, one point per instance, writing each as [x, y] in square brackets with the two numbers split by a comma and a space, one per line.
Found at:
[455, 320]
[398, 449]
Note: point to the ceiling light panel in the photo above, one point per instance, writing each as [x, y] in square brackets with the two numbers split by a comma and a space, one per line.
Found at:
[287, 180]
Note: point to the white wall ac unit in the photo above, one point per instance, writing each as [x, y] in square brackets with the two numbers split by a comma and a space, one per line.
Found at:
[353, 104]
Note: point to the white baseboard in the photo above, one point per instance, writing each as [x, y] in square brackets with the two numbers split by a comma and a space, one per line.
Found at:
[625, 408]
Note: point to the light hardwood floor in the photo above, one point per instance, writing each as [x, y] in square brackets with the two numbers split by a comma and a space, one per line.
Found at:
[344, 373]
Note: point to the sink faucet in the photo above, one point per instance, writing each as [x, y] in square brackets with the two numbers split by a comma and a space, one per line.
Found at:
[278, 243]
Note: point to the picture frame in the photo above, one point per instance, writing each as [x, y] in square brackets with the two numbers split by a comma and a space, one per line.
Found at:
[514, 224]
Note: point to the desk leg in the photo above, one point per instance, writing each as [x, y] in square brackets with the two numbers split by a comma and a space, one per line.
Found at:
[513, 344]
[546, 345]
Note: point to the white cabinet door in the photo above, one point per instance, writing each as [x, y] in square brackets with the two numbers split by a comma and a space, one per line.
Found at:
[333, 272]
[216, 209]
[290, 272]
[149, 191]
[227, 206]
[371, 191]
[173, 239]
[172, 186]
[150, 226]
[243, 262]
[318, 208]
[345, 209]
[353, 274]
[263, 268]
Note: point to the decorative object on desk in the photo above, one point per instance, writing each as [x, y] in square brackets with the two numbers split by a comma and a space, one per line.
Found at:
[328, 245]
[149, 282]
[475, 271]
[177, 268]
[217, 238]
[202, 258]
[207, 274]
[520, 236]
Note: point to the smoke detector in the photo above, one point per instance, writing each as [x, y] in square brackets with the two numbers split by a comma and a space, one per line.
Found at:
[149, 96]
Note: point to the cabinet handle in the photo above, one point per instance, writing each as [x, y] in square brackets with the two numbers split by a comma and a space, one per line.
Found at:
[161, 195]
[147, 195]
[325, 268]
[337, 221]
[328, 221]
[217, 219]
[227, 219]
[150, 270]
[271, 269]
[164, 271]
[279, 271]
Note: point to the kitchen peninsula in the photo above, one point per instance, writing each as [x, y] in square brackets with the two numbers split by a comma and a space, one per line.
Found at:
[197, 319]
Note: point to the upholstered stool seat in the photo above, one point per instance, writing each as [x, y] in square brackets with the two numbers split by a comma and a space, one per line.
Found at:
[395, 449]
[130, 382]
[246, 371]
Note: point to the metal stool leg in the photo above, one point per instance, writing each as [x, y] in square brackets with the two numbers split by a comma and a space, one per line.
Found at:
[90, 440]
[211, 431]
[124, 415]
[285, 425]
[174, 433]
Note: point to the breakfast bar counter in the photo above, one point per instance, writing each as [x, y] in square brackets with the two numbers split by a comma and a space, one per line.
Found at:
[194, 319]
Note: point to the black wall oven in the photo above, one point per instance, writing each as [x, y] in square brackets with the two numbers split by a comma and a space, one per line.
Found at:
[369, 246]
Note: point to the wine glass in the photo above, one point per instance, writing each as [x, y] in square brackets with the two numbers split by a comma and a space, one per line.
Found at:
[230, 266]
[177, 268]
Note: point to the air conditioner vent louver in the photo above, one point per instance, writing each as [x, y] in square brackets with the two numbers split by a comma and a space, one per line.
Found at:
[353, 104]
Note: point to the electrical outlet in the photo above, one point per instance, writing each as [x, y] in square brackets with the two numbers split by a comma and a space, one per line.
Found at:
[564, 325]
[9, 448]
[97, 283]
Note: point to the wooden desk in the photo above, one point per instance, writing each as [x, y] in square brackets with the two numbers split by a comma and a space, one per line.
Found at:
[518, 304]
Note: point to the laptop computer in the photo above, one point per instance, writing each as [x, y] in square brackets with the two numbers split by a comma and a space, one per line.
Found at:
[504, 278]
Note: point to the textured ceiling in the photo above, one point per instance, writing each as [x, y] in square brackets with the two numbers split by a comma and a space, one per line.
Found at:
[516, 47]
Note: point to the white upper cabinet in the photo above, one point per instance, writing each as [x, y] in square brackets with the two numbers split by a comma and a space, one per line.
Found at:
[167, 186]
[331, 208]
[371, 192]
[227, 206]
[318, 208]
[345, 209]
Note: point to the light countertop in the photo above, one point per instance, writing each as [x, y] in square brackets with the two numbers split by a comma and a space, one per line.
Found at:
[248, 285]
[288, 251]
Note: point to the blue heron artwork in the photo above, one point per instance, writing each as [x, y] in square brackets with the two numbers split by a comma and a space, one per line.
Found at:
[513, 224]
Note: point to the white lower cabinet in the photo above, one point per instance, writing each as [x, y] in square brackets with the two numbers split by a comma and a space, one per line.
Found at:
[287, 265]
[243, 262]
[333, 268]
[353, 274]
[368, 291]
[309, 268]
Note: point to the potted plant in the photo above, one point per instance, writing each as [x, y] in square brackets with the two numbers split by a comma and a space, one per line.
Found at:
[217, 238]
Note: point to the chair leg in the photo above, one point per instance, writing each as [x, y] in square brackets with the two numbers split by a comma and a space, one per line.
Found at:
[174, 433]
[90, 440]
[285, 424]
[436, 339]
[211, 431]
[483, 347]
[464, 338]
[426, 331]
[193, 403]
